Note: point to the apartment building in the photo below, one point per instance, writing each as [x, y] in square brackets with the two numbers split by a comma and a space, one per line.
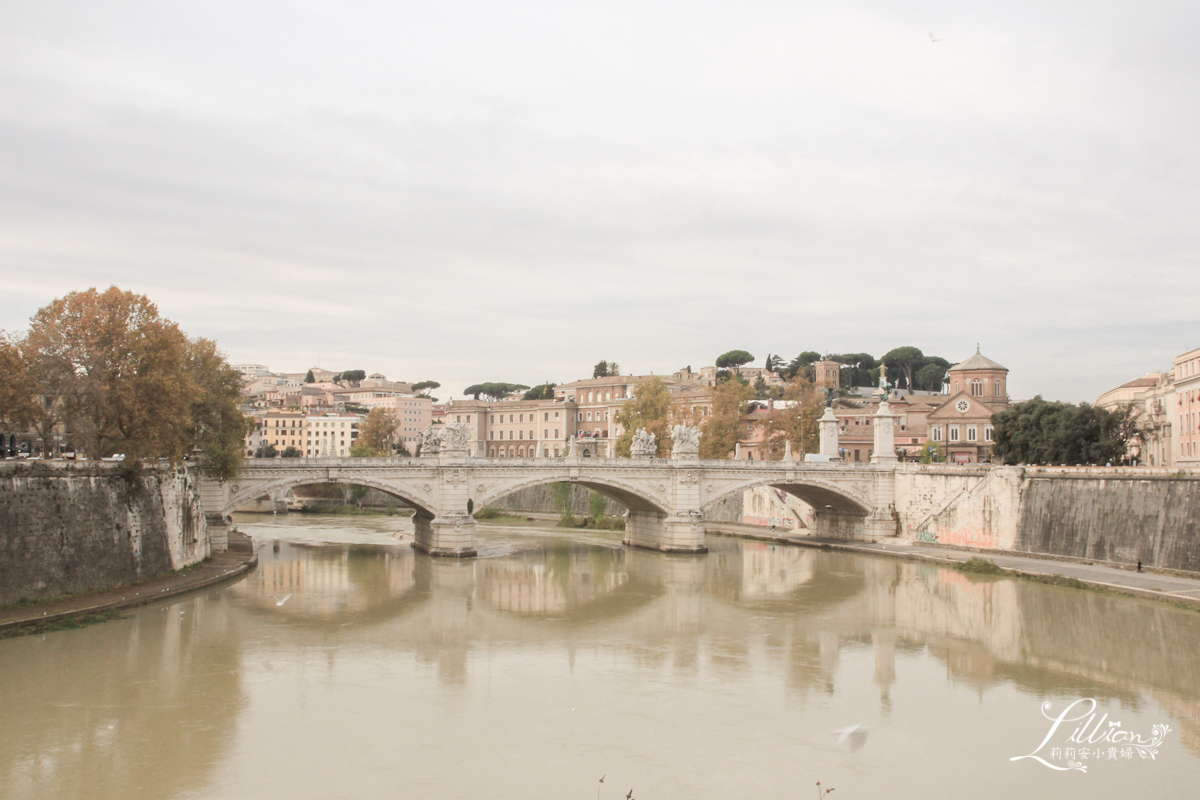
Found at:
[330, 434]
[1153, 400]
[1186, 407]
[279, 429]
[516, 428]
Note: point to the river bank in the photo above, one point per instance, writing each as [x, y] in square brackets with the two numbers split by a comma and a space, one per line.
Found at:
[99, 606]
[1169, 586]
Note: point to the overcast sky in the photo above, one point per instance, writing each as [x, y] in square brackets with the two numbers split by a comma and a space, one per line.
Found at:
[469, 192]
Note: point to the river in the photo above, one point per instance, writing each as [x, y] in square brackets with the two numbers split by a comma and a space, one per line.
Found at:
[348, 666]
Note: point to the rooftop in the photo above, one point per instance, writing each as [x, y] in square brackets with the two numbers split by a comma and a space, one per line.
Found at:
[977, 361]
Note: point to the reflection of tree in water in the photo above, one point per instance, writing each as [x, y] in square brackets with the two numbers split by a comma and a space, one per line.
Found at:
[137, 708]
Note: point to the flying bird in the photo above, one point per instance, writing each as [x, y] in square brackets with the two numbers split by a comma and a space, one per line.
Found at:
[286, 597]
[933, 40]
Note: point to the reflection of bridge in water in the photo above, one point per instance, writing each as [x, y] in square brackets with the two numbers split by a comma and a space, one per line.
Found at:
[666, 498]
[84, 703]
[800, 605]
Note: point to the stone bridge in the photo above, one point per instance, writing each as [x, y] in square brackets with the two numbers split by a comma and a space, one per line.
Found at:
[666, 498]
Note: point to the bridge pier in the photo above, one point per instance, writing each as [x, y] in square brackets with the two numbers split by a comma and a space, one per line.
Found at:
[682, 532]
[448, 535]
[451, 532]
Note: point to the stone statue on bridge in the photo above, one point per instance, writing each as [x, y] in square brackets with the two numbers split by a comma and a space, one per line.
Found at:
[455, 436]
[687, 440]
[428, 442]
[643, 445]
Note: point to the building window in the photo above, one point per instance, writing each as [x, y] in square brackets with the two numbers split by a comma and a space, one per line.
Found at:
[556, 436]
[977, 388]
[996, 389]
[510, 436]
[522, 418]
[972, 433]
[589, 416]
[987, 433]
[556, 416]
[510, 417]
[546, 417]
[954, 433]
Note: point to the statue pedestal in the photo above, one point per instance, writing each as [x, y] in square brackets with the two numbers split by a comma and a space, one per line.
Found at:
[828, 424]
[885, 436]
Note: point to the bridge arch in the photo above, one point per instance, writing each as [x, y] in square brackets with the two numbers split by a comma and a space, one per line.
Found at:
[823, 496]
[245, 494]
[628, 493]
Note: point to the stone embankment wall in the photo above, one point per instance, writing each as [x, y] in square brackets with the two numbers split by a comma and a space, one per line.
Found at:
[1116, 515]
[67, 527]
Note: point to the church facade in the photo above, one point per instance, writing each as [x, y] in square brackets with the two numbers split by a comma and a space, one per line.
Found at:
[962, 424]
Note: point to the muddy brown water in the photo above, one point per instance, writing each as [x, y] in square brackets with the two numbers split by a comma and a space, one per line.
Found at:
[348, 666]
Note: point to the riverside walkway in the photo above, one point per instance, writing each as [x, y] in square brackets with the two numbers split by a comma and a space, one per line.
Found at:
[1170, 587]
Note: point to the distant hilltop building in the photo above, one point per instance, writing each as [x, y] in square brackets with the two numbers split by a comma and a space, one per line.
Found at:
[291, 412]
[828, 374]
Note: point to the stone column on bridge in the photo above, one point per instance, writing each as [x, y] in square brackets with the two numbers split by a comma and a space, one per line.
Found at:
[885, 435]
[882, 522]
[452, 532]
[681, 530]
[829, 433]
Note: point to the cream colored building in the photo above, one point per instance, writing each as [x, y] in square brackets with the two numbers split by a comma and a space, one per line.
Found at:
[598, 400]
[1152, 397]
[1186, 409]
[516, 428]
[330, 434]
